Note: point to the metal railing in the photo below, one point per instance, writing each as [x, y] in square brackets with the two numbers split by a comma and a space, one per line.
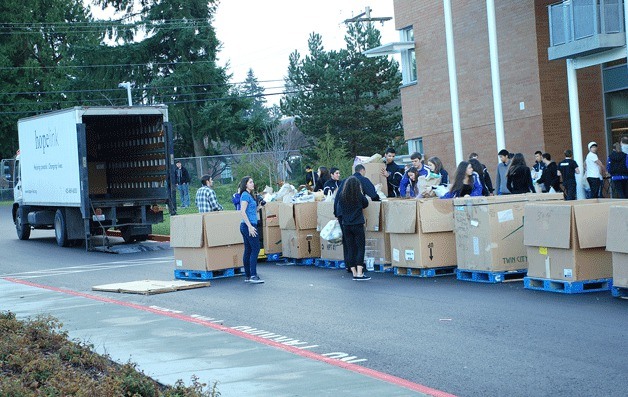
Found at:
[573, 20]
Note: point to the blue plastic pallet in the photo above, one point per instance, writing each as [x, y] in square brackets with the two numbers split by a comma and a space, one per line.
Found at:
[425, 272]
[276, 257]
[299, 261]
[481, 276]
[382, 268]
[567, 287]
[207, 274]
[329, 263]
[619, 292]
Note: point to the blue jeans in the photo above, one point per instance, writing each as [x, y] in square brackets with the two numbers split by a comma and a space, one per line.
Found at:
[184, 191]
[251, 251]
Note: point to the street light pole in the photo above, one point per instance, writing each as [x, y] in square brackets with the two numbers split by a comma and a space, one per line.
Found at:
[127, 85]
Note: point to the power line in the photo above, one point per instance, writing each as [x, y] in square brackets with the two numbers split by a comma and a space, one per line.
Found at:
[137, 88]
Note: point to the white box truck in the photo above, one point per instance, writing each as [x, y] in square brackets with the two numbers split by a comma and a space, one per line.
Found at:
[85, 170]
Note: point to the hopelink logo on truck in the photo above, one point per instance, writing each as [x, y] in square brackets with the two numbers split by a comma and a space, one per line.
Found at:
[47, 140]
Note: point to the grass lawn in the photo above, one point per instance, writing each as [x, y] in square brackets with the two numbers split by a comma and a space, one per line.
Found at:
[223, 194]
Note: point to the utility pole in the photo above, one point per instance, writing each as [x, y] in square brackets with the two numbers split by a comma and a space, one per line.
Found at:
[367, 17]
[127, 85]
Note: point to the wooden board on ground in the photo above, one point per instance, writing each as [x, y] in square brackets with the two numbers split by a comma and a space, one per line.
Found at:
[150, 287]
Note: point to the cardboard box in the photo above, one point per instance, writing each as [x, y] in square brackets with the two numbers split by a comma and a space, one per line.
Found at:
[297, 216]
[324, 214]
[331, 251]
[272, 239]
[208, 241]
[489, 231]
[270, 213]
[374, 174]
[212, 258]
[617, 241]
[423, 250]
[409, 215]
[373, 216]
[300, 244]
[400, 216]
[97, 177]
[620, 269]
[378, 247]
[566, 240]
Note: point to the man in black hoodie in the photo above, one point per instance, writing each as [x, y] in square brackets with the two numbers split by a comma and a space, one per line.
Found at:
[549, 177]
[393, 173]
[617, 166]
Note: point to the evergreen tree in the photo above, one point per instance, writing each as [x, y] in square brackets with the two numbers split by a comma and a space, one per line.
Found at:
[353, 97]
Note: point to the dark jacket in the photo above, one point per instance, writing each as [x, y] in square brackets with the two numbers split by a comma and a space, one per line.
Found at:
[444, 177]
[519, 180]
[181, 176]
[394, 178]
[550, 177]
[486, 177]
[617, 164]
[367, 187]
[350, 214]
[320, 183]
[330, 186]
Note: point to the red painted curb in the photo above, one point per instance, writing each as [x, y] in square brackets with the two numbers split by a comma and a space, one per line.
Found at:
[303, 353]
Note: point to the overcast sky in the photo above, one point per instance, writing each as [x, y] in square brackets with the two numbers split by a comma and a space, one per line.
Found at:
[261, 34]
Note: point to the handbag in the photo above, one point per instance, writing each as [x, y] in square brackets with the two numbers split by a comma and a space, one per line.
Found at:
[332, 232]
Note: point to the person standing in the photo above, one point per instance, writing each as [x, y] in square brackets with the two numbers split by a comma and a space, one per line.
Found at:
[617, 166]
[182, 180]
[594, 170]
[409, 184]
[367, 186]
[248, 229]
[333, 183]
[348, 206]
[206, 196]
[485, 176]
[393, 173]
[466, 182]
[479, 169]
[321, 180]
[310, 177]
[568, 169]
[502, 171]
[549, 178]
[519, 177]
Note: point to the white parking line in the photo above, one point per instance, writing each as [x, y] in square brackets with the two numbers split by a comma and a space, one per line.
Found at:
[59, 271]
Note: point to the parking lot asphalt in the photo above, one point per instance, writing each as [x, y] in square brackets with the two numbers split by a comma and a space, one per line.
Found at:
[169, 346]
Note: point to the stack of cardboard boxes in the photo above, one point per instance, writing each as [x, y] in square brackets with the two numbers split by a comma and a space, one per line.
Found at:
[271, 233]
[566, 240]
[205, 242]
[421, 233]
[324, 214]
[617, 244]
[489, 231]
[377, 250]
[299, 238]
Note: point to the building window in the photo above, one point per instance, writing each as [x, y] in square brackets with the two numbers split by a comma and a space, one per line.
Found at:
[408, 58]
[415, 145]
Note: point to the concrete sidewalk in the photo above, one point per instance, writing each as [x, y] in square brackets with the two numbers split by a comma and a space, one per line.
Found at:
[170, 346]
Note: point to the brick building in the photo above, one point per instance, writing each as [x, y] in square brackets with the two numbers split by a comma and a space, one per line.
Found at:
[535, 103]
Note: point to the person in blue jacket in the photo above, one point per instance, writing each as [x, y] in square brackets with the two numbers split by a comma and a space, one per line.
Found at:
[409, 183]
[466, 182]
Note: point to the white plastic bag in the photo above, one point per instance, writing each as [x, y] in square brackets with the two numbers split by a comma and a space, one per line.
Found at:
[332, 232]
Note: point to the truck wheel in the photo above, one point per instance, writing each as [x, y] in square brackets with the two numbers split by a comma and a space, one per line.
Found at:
[23, 229]
[141, 237]
[61, 232]
[126, 234]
